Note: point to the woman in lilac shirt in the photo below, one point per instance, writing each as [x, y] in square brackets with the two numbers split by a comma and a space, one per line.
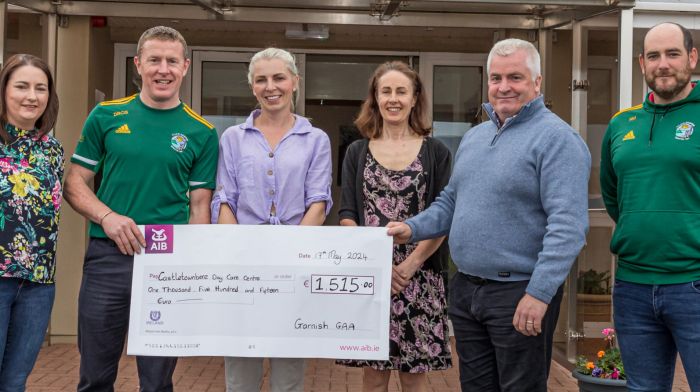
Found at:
[273, 169]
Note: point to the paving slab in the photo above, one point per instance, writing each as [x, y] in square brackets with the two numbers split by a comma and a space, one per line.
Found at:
[57, 370]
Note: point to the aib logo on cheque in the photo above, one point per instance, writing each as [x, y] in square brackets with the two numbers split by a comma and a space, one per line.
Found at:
[159, 238]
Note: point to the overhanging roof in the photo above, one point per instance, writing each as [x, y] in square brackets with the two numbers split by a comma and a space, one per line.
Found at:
[428, 13]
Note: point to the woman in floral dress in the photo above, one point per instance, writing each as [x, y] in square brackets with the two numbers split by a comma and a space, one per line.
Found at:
[31, 169]
[392, 175]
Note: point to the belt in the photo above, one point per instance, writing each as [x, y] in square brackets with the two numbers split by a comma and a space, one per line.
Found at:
[477, 280]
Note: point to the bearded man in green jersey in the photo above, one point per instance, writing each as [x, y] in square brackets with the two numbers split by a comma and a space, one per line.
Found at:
[650, 180]
[158, 161]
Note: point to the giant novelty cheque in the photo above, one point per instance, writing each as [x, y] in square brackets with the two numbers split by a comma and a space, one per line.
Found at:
[262, 291]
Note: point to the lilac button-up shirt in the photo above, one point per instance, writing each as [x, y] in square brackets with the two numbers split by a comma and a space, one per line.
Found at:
[251, 176]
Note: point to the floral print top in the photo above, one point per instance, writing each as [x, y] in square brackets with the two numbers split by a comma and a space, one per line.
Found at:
[31, 170]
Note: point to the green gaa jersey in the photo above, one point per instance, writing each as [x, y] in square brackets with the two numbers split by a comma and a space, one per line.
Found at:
[650, 181]
[150, 159]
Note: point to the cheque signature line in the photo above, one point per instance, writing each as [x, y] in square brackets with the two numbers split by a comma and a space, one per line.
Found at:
[210, 302]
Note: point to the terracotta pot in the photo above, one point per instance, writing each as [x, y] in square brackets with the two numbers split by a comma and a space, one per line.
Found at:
[588, 383]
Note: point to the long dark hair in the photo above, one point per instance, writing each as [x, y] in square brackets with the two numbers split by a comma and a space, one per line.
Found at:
[369, 122]
[47, 120]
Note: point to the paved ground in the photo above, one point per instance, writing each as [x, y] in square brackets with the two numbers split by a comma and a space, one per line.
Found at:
[57, 370]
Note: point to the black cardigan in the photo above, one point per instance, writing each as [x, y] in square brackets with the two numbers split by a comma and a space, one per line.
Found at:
[437, 165]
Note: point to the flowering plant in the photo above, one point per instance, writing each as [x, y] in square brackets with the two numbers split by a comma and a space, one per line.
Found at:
[608, 363]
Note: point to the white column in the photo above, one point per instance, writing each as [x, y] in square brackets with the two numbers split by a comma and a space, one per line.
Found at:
[49, 36]
[544, 41]
[72, 85]
[626, 57]
[3, 30]
[579, 74]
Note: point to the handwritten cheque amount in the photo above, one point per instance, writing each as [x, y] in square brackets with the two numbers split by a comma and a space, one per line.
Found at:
[262, 291]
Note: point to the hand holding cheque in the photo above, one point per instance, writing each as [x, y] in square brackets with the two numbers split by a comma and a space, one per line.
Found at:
[226, 290]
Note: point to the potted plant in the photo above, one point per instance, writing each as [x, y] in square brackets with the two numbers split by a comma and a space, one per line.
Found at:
[593, 282]
[606, 373]
[593, 296]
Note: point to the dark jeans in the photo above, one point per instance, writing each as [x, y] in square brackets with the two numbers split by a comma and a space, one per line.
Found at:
[103, 321]
[654, 323]
[493, 356]
[25, 309]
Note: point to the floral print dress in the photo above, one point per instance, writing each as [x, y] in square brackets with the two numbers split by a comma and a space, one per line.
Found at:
[31, 170]
[419, 339]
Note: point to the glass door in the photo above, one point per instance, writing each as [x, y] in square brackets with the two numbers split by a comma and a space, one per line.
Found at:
[335, 87]
[456, 86]
[220, 90]
[587, 306]
[590, 289]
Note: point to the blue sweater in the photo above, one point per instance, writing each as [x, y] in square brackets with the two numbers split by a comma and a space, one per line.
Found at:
[516, 206]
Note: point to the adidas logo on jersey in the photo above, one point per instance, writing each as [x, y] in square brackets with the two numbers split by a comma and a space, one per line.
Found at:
[628, 136]
[123, 129]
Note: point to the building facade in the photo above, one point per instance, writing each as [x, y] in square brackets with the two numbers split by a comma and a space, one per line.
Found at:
[588, 52]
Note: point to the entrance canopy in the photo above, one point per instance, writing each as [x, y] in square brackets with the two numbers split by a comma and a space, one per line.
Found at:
[433, 13]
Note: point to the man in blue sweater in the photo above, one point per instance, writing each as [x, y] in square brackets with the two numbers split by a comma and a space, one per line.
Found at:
[516, 211]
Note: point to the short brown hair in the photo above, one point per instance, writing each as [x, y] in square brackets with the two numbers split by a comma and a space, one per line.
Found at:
[163, 33]
[687, 35]
[47, 120]
[369, 122]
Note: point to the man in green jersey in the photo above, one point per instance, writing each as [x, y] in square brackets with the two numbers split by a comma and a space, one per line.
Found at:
[158, 160]
[650, 180]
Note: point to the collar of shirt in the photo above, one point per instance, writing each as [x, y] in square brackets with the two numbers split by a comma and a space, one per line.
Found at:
[17, 133]
[525, 112]
[301, 124]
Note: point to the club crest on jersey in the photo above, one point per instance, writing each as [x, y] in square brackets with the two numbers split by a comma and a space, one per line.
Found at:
[684, 130]
[178, 142]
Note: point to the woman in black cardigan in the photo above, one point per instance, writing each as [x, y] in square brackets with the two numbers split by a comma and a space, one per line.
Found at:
[394, 173]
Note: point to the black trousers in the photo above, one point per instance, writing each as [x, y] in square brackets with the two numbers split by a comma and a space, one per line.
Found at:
[103, 321]
[493, 356]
